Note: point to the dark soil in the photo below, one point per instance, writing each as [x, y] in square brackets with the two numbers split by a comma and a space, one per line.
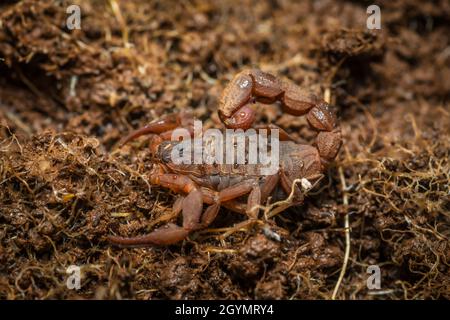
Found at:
[67, 97]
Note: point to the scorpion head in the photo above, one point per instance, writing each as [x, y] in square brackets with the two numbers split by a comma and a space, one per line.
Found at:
[166, 152]
[160, 150]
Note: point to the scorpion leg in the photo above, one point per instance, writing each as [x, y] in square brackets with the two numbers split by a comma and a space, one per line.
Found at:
[192, 206]
[209, 215]
[193, 203]
[236, 190]
[287, 184]
[253, 202]
[212, 197]
[235, 206]
[251, 187]
[170, 233]
[268, 186]
[258, 194]
[227, 196]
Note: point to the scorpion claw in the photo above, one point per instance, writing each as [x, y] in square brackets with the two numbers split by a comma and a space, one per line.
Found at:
[165, 235]
[242, 119]
[192, 209]
[162, 127]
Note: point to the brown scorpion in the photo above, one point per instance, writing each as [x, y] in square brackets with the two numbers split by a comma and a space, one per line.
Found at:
[233, 187]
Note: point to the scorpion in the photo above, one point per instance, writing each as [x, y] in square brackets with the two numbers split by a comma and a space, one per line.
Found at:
[239, 190]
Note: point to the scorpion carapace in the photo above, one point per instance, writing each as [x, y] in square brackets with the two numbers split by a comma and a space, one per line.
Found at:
[238, 190]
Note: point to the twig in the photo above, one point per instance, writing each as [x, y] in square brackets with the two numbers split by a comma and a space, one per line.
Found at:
[347, 235]
[278, 207]
[121, 20]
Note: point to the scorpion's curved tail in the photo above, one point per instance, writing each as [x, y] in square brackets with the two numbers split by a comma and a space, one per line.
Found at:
[256, 85]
